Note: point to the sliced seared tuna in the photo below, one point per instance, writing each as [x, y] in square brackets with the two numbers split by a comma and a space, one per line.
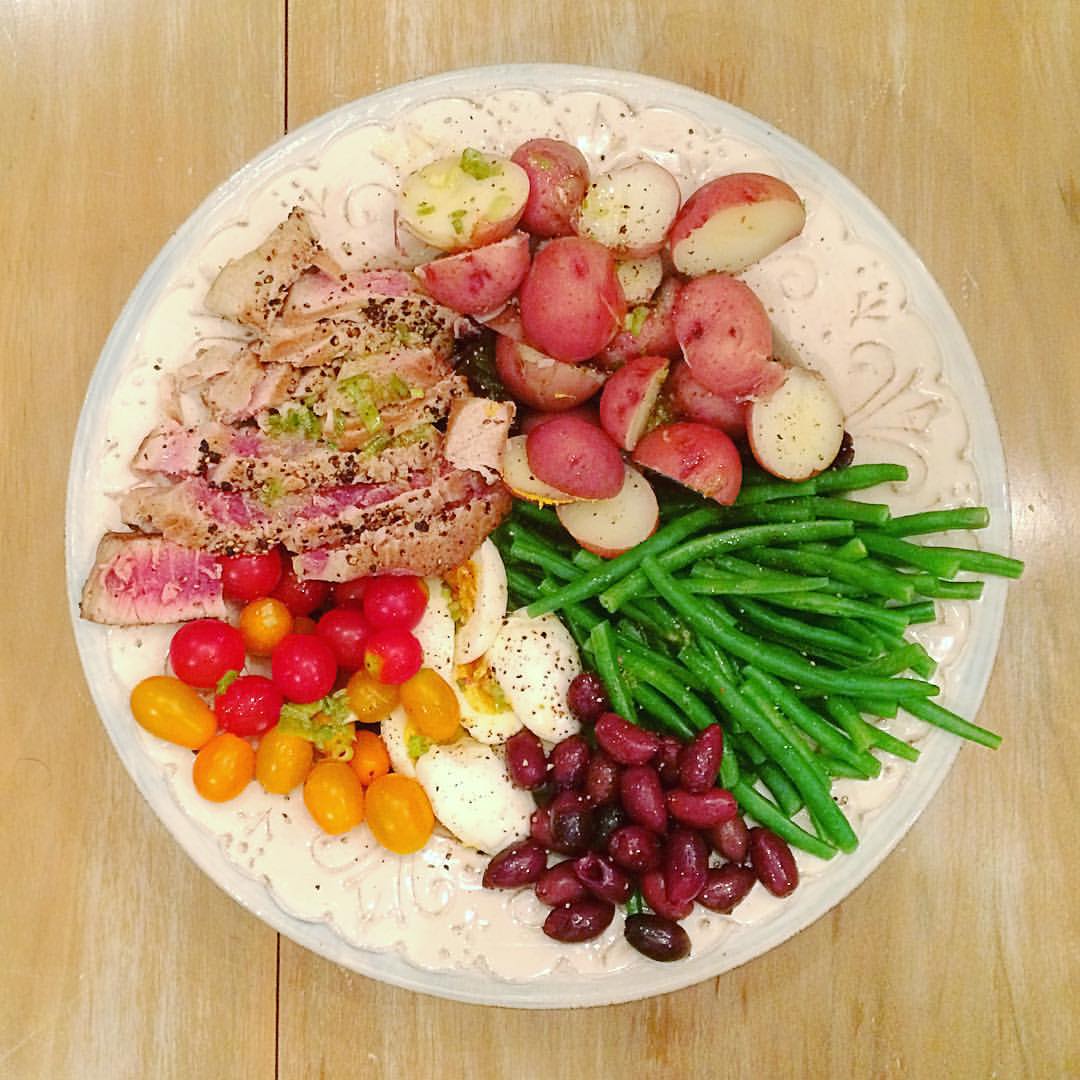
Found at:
[146, 579]
[476, 435]
[325, 290]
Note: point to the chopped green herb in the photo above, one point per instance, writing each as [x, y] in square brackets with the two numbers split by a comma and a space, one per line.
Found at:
[424, 208]
[635, 319]
[417, 745]
[298, 420]
[479, 166]
[455, 221]
[327, 723]
[271, 491]
[226, 681]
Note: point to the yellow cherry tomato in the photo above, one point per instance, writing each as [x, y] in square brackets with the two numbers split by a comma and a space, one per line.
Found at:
[399, 813]
[334, 797]
[432, 706]
[282, 761]
[370, 759]
[263, 624]
[371, 700]
[223, 767]
[173, 711]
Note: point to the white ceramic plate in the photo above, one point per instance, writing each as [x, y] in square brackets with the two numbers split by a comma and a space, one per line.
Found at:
[849, 293]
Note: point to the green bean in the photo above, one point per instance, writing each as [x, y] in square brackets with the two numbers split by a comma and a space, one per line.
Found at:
[922, 611]
[823, 506]
[932, 521]
[860, 477]
[520, 583]
[985, 562]
[886, 710]
[672, 667]
[616, 569]
[922, 558]
[767, 513]
[627, 630]
[950, 721]
[852, 551]
[947, 590]
[793, 737]
[729, 770]
[658, 707]
[890, 584]
[781, 788]
[714, 584]
[703, 547]
[699, 715]
[909, 656]
[716, 656]
[767, 814]
[753, 494]
[824, 604]
[747, 745]
[656, 617]
[539, 515]
[798, 631]
[844, 769]
[602, 646]
[849, 718]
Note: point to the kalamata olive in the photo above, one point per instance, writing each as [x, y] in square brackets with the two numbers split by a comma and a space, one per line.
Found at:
[773, 862]
[559, 885]
[572, 823]
[666, 761]
[643, 797]
[726, 886]
[602, 779]
[603, 878]
[700, 759]
[655, 894]
[586, 697]
[731, 839]
[686, 865]
[636, 848]
[521, 863]
[607, 819]
[626, 743]
[540, 826]
[569, 759]
[701, 810]
[543, 794]
[580, 920]
[846, 454]
[525, 760]
[656, 937]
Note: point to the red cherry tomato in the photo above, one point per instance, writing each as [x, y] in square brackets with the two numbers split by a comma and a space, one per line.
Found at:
[345, 630]
[248, 577]
[350, 593]
[201, 652]
[301, 597]
[249, 706]
[392, 655]
[395, 600]
[303, 667]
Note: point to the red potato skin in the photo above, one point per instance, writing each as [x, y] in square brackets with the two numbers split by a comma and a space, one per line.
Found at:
[630, 392]
[571, 301]
[478, 281]
[692, 401]
[655, 338]
[534, 418]
[558, 178]
[697, 456]
[735, 189]
[576, 457]
[553, 387]
[507, 322]
[726, 337]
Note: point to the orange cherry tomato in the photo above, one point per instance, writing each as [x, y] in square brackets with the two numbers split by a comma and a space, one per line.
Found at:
[371, 700]
[282, 761]
[370, 759]
[432, 706]
[173, 711]
[334, 797]
[263, 623]
[399, 813]
[223, 767]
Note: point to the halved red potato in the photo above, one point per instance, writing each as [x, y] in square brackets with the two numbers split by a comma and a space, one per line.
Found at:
[478, 281]
[575, 456]
[692, 401]
[697, 456]
[608, 527]
[506, 321]
[630, 209]
[795, 432]
[628, 397]
[733, 221]
[464, 201]
[531, 418]
[571, 301]
[522, 481]
[558, 176]
[651, 331]
[726, 337]
[640, 278]
[542, 381]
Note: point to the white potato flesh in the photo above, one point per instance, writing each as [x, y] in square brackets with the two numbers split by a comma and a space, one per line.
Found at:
[470, 793]
[480, 588]
[464, 201]
[522, 481]
[534, 662]
[640, 278]
[630, 209]
[608, 527]
[795, 432]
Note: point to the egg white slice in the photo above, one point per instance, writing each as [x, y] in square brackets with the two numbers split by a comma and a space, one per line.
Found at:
[480, 586]
[471, 794]
[534, 661]
[479, 717]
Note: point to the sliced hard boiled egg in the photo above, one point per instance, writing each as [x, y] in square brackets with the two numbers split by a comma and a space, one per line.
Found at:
[471, 794]
[478, 601]
[485, 713]
[435, 630]
[534, 661]
[399, 734]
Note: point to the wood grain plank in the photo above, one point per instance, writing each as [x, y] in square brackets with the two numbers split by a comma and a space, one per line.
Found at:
[120, 959]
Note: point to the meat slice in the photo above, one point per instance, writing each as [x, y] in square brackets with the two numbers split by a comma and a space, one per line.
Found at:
[139, 579]
[251, 290]
[476, 435]
[433, 544]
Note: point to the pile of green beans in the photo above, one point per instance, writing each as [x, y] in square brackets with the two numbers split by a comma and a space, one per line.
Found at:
[782, 617]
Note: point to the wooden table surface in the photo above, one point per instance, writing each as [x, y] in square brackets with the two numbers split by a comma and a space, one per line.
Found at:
[958, 958]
